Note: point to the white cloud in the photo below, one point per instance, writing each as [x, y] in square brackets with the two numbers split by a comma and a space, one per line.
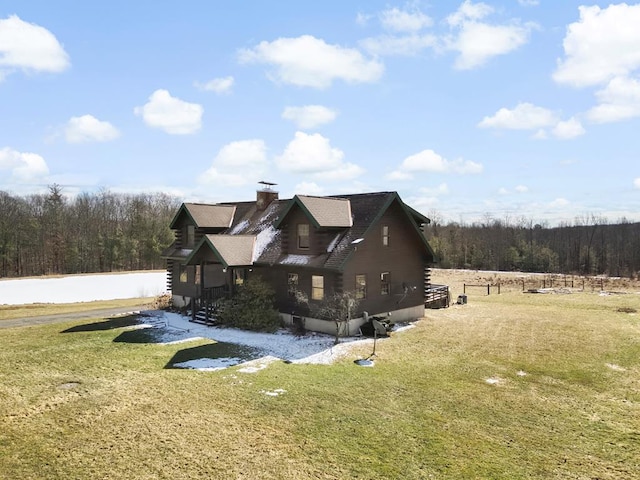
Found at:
[521, 189]
[22, 167]
[619, 100]
[236, 164]
[430, 161]
[29, 47]
[559, 203]
[308, 188]
[171, 114]
[314, 155]
[568, 129]
[477, 41]
[636, 183]
[404, 21]
[603, 44]
[503, 191]
[218, 85]
[307, 61]
[529, 3]
[525, 116]
[390, 45]
[88, 128]
[309, 116]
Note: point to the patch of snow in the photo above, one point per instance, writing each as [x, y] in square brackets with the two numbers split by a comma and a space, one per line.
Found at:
[615, 367]
[494, 381]
[239, 227]
[254, 366]
[521, 373]
[282, 345]
[273, 393]
[333, 243]
[296, 260]
[209, 364]
[82, 288]
[263, 239]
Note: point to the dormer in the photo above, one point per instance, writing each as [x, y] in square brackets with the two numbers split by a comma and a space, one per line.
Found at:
[195, 219]
[310, 223]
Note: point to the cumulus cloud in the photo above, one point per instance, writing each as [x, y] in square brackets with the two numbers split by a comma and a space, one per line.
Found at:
[568, 129]
[603, 44]
[29, 47]
[477, 41]
[237, 163]
[636, 183]
[309, 116]
[307, 61]
[404, 21]
[559, 203]
[517, 189]
[429, 161]
[619, 100]
[218, 85]
[171, 114]
[88, 128]
[22, 167]
[313, 154]
[525, 116]
[309, 188]
[529, 3]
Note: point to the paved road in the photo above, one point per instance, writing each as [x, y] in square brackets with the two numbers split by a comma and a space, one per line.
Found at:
[63, 317]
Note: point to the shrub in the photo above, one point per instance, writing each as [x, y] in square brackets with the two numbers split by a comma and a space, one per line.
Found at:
[163, 302]
[251, 308]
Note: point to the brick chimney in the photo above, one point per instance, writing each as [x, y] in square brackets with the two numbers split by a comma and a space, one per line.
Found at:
[265, 195]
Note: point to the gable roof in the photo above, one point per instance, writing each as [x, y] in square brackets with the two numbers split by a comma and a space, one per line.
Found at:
[205, 215]
[322, 211]
[230, 250]
[261, 226]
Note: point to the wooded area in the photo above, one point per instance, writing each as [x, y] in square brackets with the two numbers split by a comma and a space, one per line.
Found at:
[100, 232]
[104, 232]
[589, 246]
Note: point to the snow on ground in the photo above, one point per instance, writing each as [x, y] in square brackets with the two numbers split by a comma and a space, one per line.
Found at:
[82, 288]
[313, 348]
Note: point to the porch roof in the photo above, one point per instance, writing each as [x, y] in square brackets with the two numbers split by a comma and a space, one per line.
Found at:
[229, 250]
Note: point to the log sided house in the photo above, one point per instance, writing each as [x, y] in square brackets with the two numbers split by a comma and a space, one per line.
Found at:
[371, 244]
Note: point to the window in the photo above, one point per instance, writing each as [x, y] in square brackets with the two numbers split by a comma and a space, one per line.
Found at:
[385, 235]
[361, 286]
[183, 274]
[292, 284]
[191, 235]
[303, 236]
[317, 287]
[197, 279]
[385, 283]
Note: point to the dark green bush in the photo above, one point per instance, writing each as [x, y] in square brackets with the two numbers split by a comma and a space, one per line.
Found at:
[251, 308]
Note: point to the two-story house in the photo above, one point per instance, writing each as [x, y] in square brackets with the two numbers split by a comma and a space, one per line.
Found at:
[371, 244]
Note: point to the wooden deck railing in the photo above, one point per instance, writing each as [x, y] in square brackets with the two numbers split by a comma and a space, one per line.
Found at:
[437, 296]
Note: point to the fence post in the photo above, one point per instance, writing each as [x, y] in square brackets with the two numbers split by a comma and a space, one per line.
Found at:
[464, 288]
[488, 289]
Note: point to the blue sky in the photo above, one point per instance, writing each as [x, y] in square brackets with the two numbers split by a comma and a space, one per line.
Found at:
[470, 110]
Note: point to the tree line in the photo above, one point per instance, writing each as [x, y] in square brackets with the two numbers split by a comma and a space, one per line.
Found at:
[588, 246]
[44, 234]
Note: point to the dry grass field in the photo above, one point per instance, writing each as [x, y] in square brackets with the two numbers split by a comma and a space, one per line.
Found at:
[512, 385]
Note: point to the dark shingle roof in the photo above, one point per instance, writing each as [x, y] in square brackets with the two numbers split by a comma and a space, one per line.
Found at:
[261, 226]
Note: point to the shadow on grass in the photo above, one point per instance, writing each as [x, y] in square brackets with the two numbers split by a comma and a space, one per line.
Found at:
[109, 324]
[214, 355]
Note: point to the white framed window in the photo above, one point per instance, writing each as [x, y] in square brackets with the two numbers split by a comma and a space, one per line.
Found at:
[385, 235]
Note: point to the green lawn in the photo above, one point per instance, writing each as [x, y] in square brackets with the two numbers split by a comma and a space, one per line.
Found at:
[564, 402]
[9, 312]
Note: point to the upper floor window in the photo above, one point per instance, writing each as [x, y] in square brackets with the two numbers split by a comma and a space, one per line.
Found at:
[191, 236]
[385, 283]
[292, 284]
[183, 276]
[385, 235]
[303, 236]
[317, 287]
[361, 286]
